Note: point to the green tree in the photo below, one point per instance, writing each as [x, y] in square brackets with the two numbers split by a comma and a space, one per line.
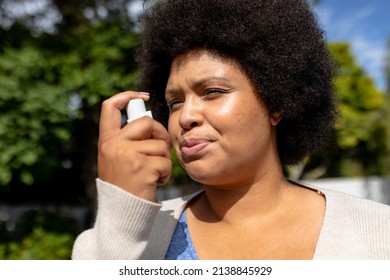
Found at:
[53, 77]
[39, 235]
[359, 145]
[34, 117]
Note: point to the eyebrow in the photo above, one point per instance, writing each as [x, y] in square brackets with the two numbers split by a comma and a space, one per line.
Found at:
[199, 83]
[209, 79]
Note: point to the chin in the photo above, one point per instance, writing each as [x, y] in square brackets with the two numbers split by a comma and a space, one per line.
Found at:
[208, 178]
[202, 177]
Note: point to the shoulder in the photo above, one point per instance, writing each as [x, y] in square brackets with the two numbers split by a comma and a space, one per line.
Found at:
[353, 228]
[349, 204]
[343, 207]
[357, 208]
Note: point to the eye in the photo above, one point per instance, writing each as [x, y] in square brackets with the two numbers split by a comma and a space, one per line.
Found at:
[174, 104]
[213, 93]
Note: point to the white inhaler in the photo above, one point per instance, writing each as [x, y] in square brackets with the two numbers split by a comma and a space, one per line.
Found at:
[136, 109]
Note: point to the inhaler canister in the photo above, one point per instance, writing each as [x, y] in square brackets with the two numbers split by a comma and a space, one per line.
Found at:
[136, 109]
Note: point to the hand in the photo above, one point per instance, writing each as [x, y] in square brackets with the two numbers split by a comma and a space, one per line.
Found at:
[136, 157]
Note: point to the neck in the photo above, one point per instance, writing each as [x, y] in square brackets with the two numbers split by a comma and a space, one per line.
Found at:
[242, 204]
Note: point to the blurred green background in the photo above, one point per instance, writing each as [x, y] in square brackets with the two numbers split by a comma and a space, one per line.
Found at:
[59, 59]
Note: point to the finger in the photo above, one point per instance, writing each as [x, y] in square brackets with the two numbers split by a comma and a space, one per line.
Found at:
[153, 147]
[146, 128]
[110, 116]
[162, 168]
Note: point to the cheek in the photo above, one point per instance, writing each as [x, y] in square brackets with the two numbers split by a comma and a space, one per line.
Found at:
[226, 116]
[230, 108]
[245, 117]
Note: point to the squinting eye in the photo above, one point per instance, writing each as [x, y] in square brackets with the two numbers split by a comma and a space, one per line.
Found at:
[212, 93]
[173, 104]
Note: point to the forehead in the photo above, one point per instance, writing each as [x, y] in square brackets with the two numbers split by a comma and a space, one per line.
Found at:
[200, 66]
[202, 55]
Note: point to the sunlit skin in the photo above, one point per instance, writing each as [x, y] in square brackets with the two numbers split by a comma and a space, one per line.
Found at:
[225, 138]
[217, 124]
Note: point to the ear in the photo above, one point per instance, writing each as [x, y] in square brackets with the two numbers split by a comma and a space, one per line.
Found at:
[275, 118]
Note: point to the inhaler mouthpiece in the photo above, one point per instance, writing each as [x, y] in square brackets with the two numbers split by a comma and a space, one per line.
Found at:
[136, 109]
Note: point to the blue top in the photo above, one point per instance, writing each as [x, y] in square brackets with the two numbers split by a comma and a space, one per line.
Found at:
[181, 246]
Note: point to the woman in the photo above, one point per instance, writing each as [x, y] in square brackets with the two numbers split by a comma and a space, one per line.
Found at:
[240, 88]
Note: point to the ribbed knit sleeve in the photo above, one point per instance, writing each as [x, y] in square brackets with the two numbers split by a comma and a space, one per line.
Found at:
[122, 229]
[354, 228]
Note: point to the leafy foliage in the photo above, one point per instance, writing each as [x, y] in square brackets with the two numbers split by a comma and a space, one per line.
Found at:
[39, 235]
[51, 86]
[39, 245]
[34, 114]
[360, 144]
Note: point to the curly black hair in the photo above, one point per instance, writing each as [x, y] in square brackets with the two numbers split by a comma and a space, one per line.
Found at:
[279, 45]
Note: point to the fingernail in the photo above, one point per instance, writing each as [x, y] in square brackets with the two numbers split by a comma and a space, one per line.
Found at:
[144, 93]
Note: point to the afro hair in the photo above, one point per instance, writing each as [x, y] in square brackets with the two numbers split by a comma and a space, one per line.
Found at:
[279, 45]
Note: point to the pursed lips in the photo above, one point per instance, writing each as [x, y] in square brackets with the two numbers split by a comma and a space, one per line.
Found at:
[192, 146]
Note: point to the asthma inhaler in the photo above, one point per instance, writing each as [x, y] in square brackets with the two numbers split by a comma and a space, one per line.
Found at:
[136, 109]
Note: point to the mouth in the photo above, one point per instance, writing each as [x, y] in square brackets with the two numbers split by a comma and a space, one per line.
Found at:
[193, 147]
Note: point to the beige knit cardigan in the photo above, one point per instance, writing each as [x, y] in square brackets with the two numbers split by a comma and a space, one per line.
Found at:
[128, 227]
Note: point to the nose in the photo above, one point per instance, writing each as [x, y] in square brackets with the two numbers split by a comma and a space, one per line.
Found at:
[191, 113]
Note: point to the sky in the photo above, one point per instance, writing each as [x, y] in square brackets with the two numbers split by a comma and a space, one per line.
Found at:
[365, 24]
